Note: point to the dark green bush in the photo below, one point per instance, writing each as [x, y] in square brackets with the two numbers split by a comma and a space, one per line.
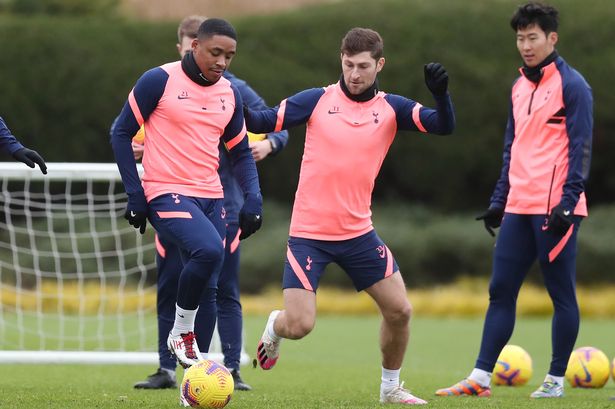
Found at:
[60, 7]
[430, 248]
[65, 79]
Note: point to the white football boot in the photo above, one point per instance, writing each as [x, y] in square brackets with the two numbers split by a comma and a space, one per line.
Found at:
[185, 349]
[268, 350]
[400, 395]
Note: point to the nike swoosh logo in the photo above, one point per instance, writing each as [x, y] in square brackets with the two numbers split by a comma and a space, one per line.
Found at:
[566, 212]
[181, 316]
[334, 112]
[258, 217]
[180, 97]
[204, 109]
[133, 214]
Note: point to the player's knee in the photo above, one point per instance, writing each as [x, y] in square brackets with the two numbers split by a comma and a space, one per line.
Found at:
[299, 328]
[499, 291]
[398, 315]
[208, 252]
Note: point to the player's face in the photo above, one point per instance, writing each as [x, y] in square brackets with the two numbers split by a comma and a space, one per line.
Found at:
[184, 46]
[535, 45]
[213, 55]
[360, 71]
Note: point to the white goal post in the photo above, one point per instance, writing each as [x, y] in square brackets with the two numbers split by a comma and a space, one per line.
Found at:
[77, 282]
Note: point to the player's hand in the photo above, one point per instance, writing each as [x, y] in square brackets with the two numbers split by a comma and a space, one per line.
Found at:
[436, 78]
[559, 221]
[30, 157]
[250, 216]
[260, 149]
[248, 224]
[136, 211]
[492, 219]
[137, 150]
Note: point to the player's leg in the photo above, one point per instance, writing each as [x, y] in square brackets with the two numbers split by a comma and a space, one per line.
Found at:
[196, 227]
[557, 256]
[515, 251]
[169, 265]
[207, 314]
[391, 297]
[205, 322]
[305, 262]
[295, 321]
[230, 319]
[371, 266]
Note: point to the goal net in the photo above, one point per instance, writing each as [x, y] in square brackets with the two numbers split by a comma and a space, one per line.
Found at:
[77, 282]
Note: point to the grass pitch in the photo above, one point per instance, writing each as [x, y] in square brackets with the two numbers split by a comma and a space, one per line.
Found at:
[337, 366]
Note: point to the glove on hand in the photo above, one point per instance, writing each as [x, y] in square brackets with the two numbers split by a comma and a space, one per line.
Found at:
[251, 216]
[492, 219]
[436, 78]
[559, 221]
[136, 212]
[30, 157]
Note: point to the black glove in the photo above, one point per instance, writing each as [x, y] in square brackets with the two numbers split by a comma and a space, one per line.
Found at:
[30, 157]
[136, 219]
[249, 224]
[559, 221]
[436, 78]
[136, 211]
[251, 216]
[492, 219]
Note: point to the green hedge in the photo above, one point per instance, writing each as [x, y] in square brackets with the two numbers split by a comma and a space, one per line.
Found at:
[60, 7]
[430, 248]
[65, 79]
[474, 41]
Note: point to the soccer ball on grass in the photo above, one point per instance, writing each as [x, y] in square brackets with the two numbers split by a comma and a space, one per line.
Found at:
[207, 384]
[588, 367]
[513, 367]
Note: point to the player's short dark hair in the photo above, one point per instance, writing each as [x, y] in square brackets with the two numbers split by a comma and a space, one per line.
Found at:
[545, 16]
[359, 39]
[189, 27]
[216, 26]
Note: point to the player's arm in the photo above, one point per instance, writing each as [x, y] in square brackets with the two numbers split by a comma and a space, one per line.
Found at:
[492, 217]
[8, 142]
[502, 186]
[293, 111]
[413, 116]
[244, 169]
[141, 102]
[138, 141]
[10, 145]
[578, 104]
[273, 142]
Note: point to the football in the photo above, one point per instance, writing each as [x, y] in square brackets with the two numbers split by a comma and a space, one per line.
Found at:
[588, 367]
[207, 384]
[513, 367]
